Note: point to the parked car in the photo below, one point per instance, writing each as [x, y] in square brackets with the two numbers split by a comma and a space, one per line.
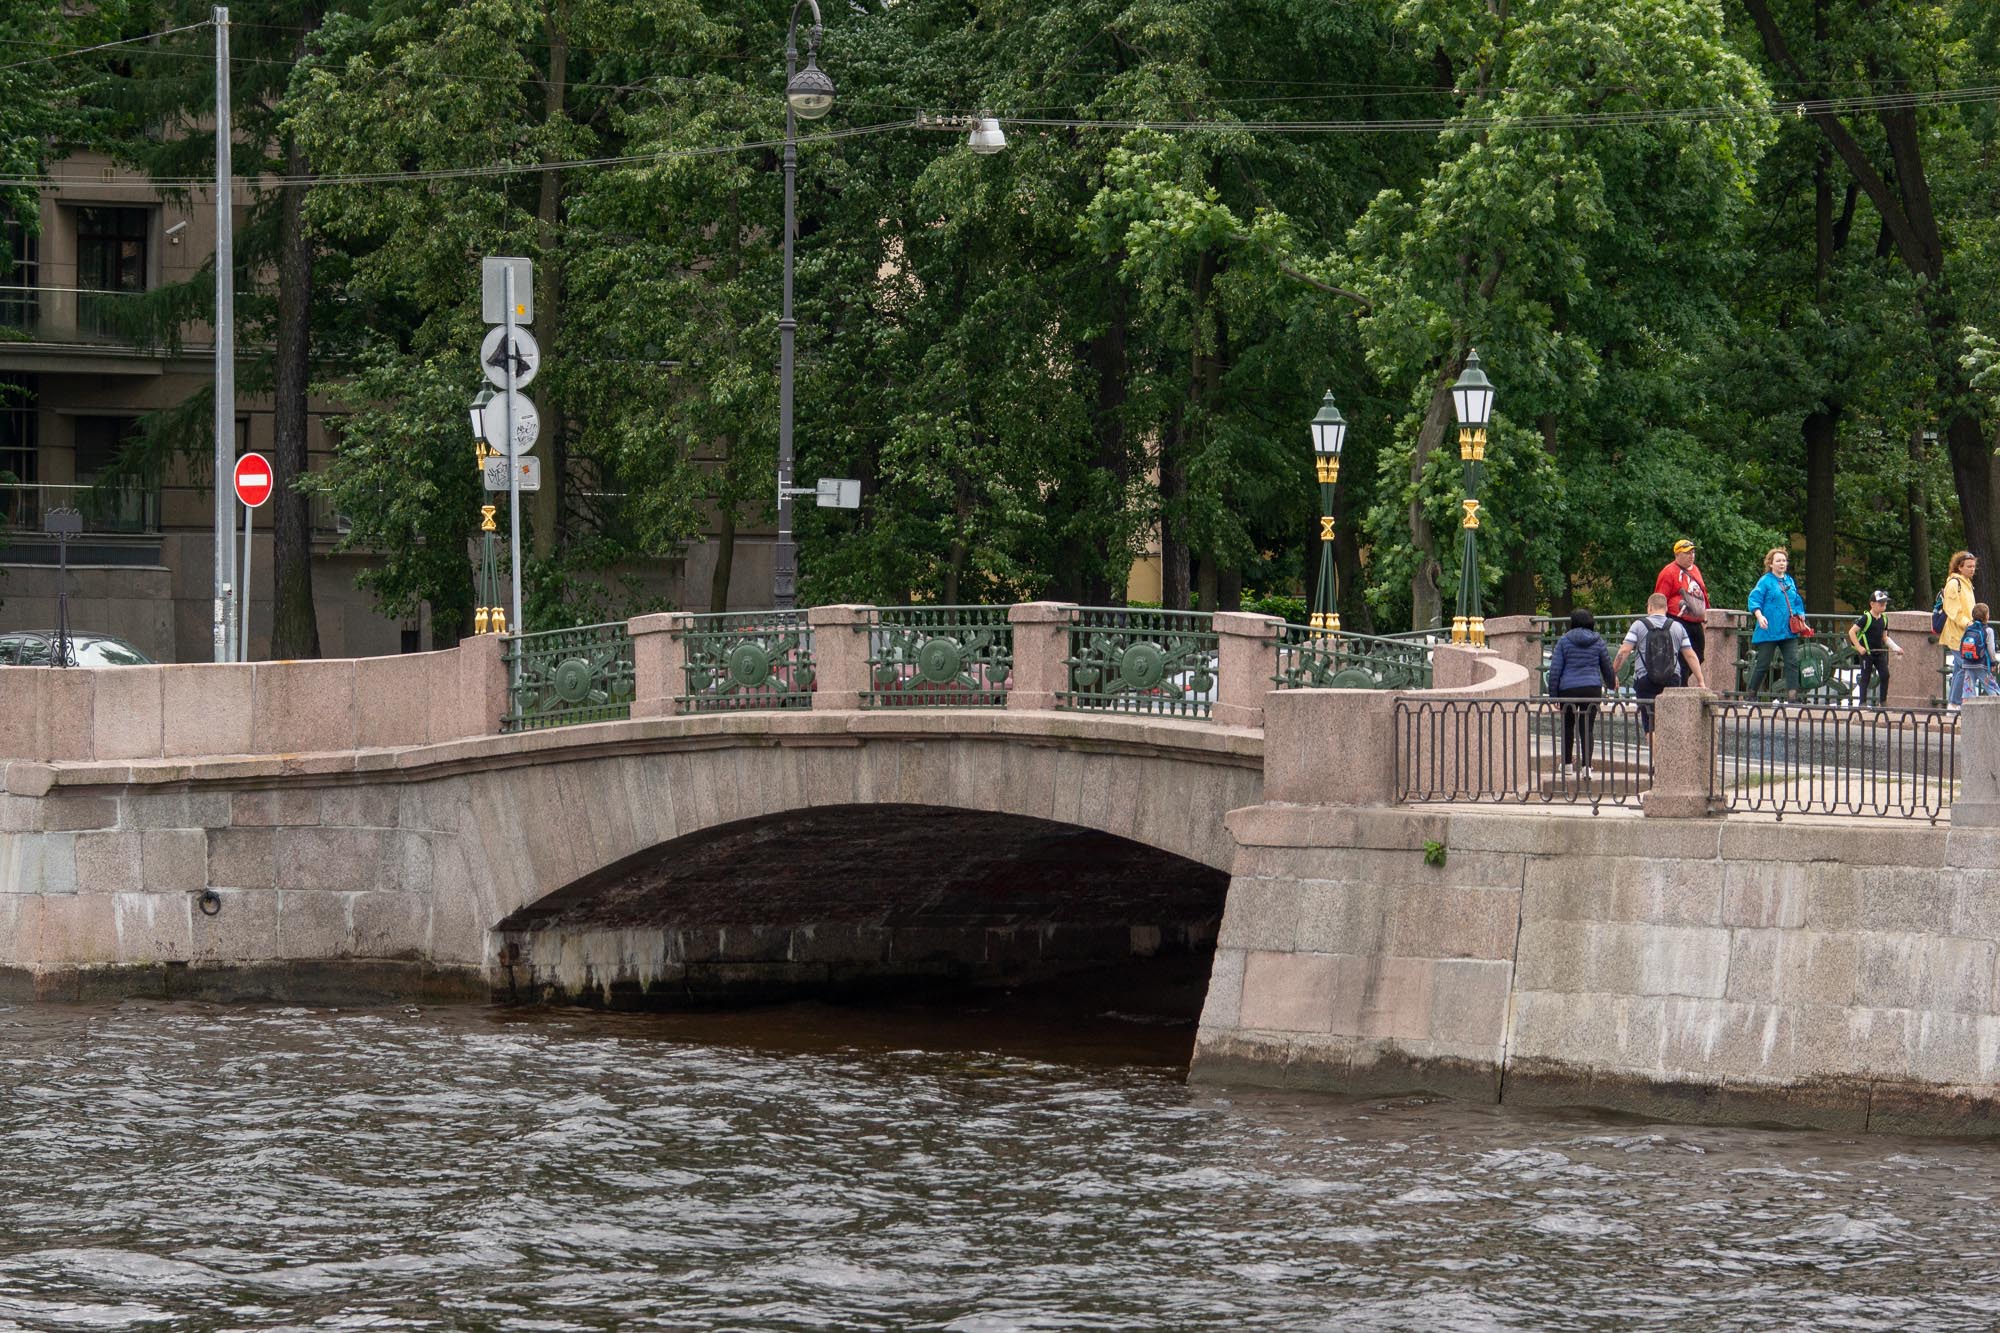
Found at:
[31, 647]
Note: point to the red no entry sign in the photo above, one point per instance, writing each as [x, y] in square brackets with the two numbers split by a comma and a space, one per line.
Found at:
[253, 479]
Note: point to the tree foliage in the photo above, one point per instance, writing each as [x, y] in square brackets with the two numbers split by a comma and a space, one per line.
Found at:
[1721, 298]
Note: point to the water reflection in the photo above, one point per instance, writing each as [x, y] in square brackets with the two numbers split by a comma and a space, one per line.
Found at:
[816, 1167]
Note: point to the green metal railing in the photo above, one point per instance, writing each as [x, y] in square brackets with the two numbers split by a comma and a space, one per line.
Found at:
[938, 656]
[1126, 661]
[747, 659]
[1828, 664]
[1317, 659]
[565, 676]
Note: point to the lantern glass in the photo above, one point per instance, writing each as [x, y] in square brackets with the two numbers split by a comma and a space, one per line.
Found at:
[810, 92]
[1472, 395]
[1329, 429]
[987, 137]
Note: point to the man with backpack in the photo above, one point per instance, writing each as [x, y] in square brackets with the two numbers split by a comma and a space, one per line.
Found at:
[1662, 648]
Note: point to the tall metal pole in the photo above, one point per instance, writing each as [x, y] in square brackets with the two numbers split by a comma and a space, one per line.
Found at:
[243, 594]
[785, 573]
[513, 465]
[225, 343]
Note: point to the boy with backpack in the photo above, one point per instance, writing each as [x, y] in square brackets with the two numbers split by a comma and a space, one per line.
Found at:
[1870, 637]
[1662, 648]
[1975, 655]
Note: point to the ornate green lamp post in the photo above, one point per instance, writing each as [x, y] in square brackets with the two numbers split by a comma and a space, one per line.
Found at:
[1472, 399]
[1329, 433]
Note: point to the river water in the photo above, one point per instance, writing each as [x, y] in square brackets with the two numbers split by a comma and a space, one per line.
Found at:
[171, 1166]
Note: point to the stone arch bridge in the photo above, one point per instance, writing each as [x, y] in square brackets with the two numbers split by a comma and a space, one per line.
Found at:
[1052, 789]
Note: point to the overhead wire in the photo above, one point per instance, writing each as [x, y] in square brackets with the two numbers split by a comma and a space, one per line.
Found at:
[106, 46]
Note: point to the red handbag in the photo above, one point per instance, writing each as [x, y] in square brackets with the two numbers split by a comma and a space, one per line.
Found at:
[1799, 627]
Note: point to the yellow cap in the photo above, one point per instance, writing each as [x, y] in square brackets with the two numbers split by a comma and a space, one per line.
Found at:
[1683, 545]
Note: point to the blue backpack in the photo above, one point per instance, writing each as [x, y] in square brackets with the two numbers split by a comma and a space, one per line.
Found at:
[1975, 651]
[1937, 615]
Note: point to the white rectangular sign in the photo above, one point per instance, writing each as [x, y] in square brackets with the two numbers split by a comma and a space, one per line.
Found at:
[531, 473]
[492, 297]
[839, 493]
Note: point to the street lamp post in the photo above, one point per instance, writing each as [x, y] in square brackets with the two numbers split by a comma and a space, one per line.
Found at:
[1472, 399]
[808, 96]
[1329, 432]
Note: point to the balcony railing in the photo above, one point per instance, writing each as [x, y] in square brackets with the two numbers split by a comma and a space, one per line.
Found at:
[105, 509]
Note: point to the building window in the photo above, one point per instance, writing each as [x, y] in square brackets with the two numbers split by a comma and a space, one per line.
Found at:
[127, 507]
[20, 427]
[20, 455]
[110, 257]
[20, 273]
[98, 440]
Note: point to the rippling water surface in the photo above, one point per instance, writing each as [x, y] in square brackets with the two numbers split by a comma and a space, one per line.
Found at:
[166, 1166]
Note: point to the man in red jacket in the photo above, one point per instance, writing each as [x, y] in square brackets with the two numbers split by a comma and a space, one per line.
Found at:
[1686, 592]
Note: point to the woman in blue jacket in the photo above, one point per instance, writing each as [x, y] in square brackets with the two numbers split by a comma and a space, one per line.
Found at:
[1774, 601]
[1580, 668]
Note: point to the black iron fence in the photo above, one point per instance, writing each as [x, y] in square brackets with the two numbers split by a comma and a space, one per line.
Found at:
[1819, 760]
[1521, 751]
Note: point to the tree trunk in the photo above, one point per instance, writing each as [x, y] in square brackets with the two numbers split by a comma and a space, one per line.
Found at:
[1426, 601]
[1229, 590]
[1174, 571]
[1917, 523]
[545, 506]
[294, 622]
[1822, 435]
[725, 561]
[1093, 581]
[1208, 587]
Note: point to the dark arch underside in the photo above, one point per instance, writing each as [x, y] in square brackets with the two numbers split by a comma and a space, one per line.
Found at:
[843, 896]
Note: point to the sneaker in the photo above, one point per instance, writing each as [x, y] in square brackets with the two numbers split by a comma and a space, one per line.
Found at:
[1563, 772]
[1583, 775]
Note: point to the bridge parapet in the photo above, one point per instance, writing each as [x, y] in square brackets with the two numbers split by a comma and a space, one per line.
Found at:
[183, 711]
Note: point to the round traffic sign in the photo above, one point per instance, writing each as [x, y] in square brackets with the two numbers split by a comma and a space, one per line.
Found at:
[253, 479]
[527, 357]
[527, 424]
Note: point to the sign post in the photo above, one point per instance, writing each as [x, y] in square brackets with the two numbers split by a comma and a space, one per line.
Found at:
[510, 359]
[253, 488]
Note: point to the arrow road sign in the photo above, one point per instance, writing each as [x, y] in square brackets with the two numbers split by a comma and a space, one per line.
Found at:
[530, 469]
[527, 357]
[527, 425]
[253, 480]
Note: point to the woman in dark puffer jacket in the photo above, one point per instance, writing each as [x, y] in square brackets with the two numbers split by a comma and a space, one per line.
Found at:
[1580, 668]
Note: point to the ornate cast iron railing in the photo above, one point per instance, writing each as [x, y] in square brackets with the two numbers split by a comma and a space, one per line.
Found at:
[939, 656]
[747, 659]
[1316, 659]
[1128, 661]
[1521, 751]
[1829, 668]
[565, 676]
[1821, 760]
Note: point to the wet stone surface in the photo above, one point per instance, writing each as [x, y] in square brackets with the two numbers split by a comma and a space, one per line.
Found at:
[824, 1167]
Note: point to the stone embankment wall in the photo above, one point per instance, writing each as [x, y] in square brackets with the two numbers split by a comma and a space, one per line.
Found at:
[1825, 972]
